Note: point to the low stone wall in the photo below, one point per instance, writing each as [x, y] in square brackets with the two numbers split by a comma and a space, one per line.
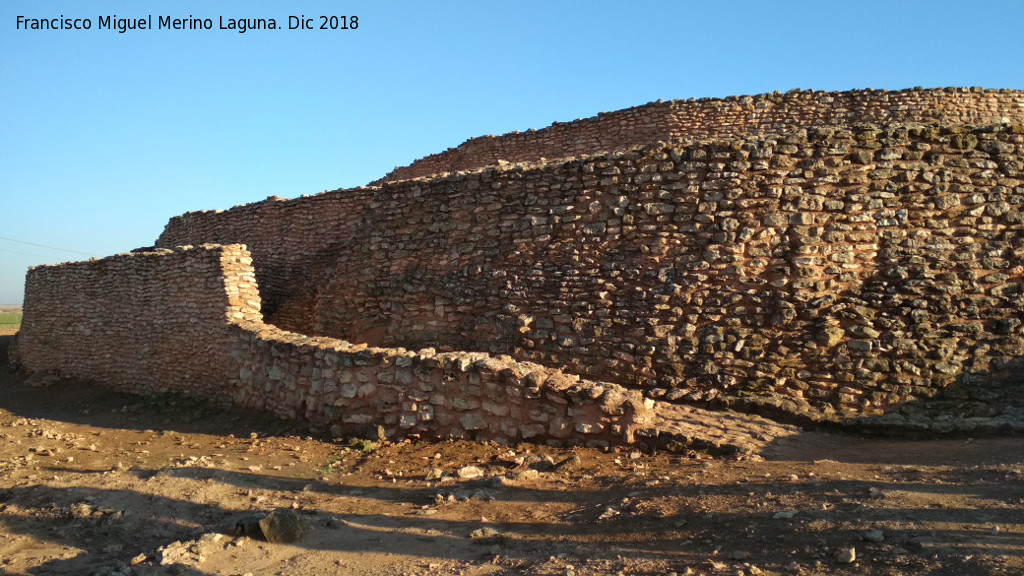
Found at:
[427, 394]
[721, 118]
[188, 320]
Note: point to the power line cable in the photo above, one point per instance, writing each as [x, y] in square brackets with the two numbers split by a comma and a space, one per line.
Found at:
[25, 254]
[44, 246]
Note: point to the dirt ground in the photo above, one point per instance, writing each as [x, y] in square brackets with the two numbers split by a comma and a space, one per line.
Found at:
[96, 482]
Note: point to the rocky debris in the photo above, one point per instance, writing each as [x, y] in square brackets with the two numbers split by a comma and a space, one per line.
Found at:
[112, 569]
[194, 462]
[485, 532]
[464, 495]
[721, 431]
[568, 463]
[250, 526]
[846, 556]
[190, 552]
[540, 462]
[528, 475]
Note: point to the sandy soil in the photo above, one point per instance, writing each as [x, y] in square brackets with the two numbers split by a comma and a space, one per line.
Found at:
[96, 482]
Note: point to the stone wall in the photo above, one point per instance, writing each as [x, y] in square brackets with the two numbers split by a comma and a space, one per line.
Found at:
[427, 394]
[188, 320]
[285, 236]
[706, 118]
[146, 322]
[826, 272]
[823, 272]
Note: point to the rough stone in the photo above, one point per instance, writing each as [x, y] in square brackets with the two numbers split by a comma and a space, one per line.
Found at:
[283, 526]
[846, 556]
[470, 473]
[740, 268]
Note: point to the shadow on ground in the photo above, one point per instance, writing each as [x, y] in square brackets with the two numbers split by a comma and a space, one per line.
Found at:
[944, 506]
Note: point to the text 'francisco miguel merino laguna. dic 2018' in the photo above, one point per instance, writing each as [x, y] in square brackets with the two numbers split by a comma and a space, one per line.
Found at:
[240, 25]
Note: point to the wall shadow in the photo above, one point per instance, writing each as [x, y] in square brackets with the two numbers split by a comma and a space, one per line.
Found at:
[86, 403]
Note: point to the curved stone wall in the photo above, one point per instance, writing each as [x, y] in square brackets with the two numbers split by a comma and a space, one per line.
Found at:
[707, 118]
[832, 271]
[188, 320]
[846, 271]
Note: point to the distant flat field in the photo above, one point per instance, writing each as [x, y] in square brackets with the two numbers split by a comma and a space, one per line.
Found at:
[10, 319]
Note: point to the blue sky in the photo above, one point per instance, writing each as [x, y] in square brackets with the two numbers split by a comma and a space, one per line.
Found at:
[105, 136]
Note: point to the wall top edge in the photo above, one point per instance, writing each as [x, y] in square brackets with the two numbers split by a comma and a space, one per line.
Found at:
[146, 253]
[794, 94]
[282, 202]
[810, 133]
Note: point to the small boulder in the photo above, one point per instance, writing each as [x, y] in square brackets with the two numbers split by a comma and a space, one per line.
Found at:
[41, 380]
[846, 556]
[873, 536]
[283, 526]
[470, 473]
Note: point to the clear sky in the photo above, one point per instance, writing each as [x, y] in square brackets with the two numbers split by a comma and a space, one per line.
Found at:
[104, 136]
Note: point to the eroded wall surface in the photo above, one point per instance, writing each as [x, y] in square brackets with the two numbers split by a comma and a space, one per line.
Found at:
[826, 271]
[188, 320]
[706, 118]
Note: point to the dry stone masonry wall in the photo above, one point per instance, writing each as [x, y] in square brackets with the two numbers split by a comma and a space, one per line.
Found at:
[774, 253]
[147, 322]
[188, 320]
[352, 388]
[822, 273]
[285, 236]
